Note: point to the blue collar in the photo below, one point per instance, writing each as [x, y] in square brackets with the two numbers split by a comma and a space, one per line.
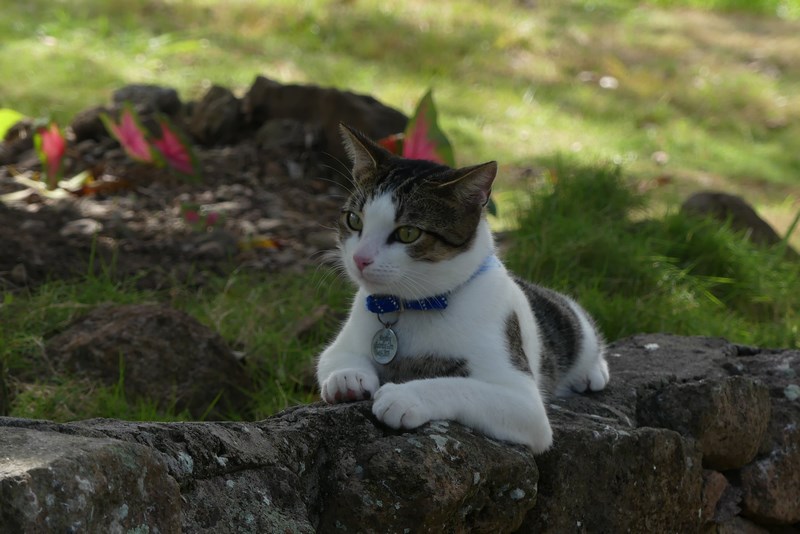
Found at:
[390, 303]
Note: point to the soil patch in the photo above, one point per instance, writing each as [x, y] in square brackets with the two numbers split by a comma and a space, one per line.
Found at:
[273, 179]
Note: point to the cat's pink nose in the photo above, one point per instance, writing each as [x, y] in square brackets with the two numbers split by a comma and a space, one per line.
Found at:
[362, 261]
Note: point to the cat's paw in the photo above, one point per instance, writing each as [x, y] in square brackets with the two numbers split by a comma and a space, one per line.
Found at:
[595, 379]
[599, 375]
[349, 385]
[397, 406]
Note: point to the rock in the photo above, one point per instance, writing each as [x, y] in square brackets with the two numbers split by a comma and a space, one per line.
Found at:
[257, 103]
[148, 98]
[322, 108]
[54, 482]
[17, 140]
[771, 484]
[642, 366]
[5, 398]
[286, 135]
[217, 244]
[714, 486]
[429, 483]
[87, 124]
[215, 119]
[81, 228]
[742, 216]
[311, 468]
[167, 357]
[19, 274]
[728, 418]
[739, 525]
[599, 478]
[729, 504]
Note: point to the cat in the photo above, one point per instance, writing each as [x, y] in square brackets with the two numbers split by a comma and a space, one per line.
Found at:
[439, 329]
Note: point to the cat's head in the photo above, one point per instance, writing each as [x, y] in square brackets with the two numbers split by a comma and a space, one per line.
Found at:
[412, 228]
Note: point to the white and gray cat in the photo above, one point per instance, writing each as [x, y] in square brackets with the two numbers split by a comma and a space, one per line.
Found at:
[439, 329]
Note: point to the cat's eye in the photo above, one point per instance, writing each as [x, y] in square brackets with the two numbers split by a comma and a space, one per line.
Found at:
[408, 234]
[353, 221]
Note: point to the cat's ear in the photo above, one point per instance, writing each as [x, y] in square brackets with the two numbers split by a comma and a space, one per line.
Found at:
[474, 183]
[364, 153]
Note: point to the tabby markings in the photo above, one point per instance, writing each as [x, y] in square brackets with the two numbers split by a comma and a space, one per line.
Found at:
[514, 343]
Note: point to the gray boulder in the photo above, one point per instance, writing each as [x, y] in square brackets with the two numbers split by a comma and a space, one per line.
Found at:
[215, 119]
[771, 483]
[56, 482]
[716, 413]
[145, 98]
[148, 98]
[742, 217]
[322, 109]
[311, 468]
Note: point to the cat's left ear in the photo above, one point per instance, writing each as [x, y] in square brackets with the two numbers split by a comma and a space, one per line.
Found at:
[365, 154]
[474, 183]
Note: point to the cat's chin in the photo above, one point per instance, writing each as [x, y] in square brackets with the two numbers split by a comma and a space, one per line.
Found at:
[372, 284]
[375, 288]
[376, 285]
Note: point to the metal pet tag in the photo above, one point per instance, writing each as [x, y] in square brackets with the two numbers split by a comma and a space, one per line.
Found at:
[384, 345]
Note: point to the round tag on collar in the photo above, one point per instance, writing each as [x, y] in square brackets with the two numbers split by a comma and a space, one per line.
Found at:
[384, 345]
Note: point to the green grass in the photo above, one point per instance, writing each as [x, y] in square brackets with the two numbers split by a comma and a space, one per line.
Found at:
[258, 315]
[37, 389]
[582, 233]
[71, 399]
[789, 9]
[261, 315]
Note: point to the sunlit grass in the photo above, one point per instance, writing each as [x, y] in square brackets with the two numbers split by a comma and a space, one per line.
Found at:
[619, 80]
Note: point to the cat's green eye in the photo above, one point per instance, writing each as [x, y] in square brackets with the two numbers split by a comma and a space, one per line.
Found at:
[408, 234]
[353, 221]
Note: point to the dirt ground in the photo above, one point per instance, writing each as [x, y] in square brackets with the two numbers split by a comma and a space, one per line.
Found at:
[268, 197]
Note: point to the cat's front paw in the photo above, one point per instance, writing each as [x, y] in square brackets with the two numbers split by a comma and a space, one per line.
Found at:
[349, 385]
[397, 406]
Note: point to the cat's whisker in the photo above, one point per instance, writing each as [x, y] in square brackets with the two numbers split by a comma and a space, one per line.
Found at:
[417, 284]
[327, 258]
[332, 157]
[332, 270]
[346, 175]
[414, 289]
[345, 171]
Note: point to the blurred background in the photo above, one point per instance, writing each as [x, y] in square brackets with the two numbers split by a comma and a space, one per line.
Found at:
[705, 92]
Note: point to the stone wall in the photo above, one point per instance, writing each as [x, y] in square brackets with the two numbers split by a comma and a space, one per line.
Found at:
[692, 435]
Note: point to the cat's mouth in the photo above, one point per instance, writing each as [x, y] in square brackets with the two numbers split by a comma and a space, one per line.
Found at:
[378, 283]
[373, 282]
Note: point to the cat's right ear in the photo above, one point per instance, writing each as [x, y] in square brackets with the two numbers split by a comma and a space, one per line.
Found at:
[364, 153]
